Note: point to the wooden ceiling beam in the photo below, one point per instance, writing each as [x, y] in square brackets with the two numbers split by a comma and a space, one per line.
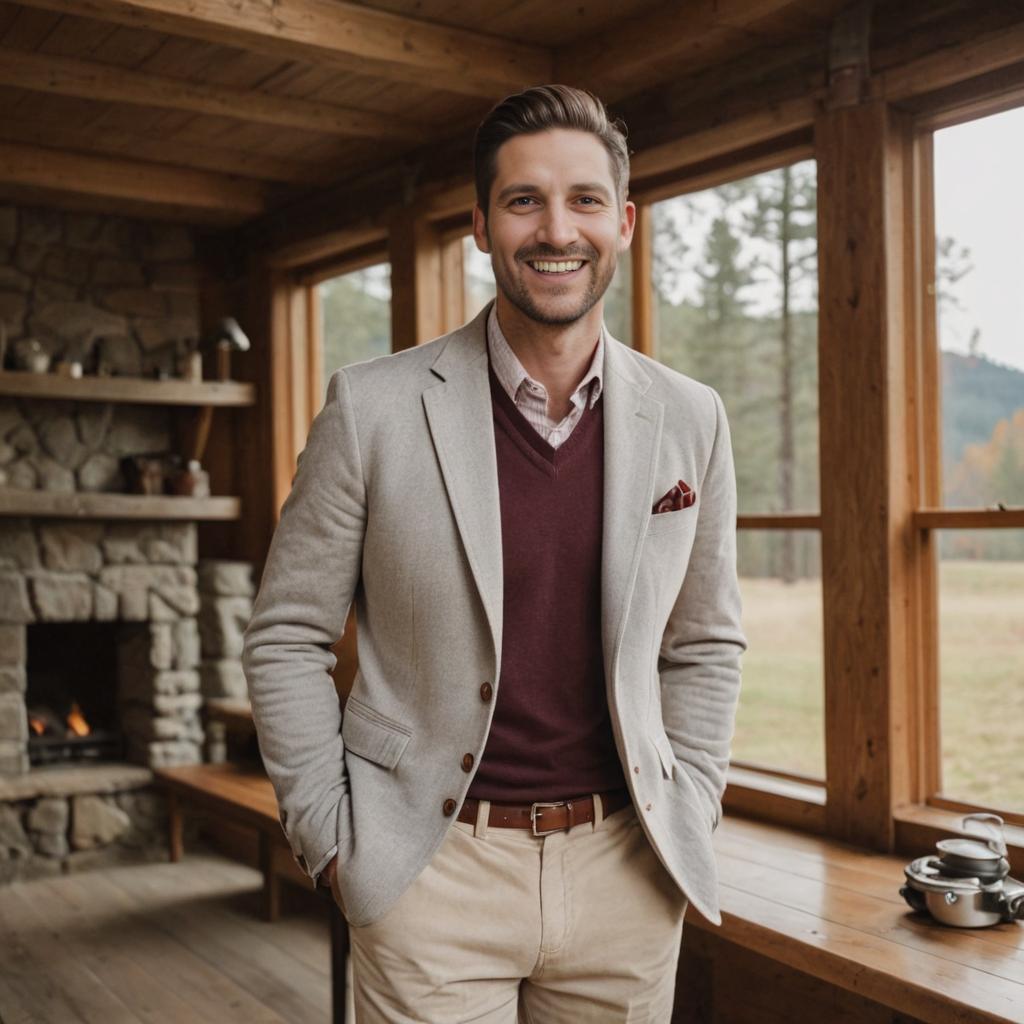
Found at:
[336, 33]
[777, 120]
[988, 52]
[91, 80]
[613, 60]
[116, 142]
[443, 187]
[130, 180]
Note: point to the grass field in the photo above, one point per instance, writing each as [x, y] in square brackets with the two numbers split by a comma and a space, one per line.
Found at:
[780, 719]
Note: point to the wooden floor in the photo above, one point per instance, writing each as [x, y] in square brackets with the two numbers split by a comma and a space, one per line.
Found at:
[179, 943]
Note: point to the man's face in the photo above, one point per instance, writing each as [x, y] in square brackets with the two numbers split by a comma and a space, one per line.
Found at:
[554, 227]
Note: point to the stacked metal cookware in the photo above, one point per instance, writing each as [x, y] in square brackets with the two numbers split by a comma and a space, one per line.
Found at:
[968, 883]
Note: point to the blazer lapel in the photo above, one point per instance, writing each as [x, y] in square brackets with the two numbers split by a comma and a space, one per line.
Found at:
[632, 434]
[459, 412]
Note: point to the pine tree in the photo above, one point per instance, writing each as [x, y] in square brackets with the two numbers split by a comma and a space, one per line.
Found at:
[784, 215]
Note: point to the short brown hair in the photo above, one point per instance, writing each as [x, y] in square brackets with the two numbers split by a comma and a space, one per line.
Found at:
[538, 110]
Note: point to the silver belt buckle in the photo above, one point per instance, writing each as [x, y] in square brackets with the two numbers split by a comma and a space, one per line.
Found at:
[534, 807]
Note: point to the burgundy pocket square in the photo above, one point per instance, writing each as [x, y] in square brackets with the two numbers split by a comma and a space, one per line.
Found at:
[680, 496]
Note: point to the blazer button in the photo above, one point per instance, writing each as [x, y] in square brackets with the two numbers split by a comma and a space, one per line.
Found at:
[448, 807]
[486, 692]
[467, 762]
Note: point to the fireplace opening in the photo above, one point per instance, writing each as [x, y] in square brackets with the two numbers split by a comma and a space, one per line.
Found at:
[71, 694]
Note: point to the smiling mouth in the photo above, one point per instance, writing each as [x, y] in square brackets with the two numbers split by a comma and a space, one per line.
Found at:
[556, 266]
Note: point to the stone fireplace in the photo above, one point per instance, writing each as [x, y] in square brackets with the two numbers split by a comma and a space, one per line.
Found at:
[133, 585]
[140, 575]
[163, 633]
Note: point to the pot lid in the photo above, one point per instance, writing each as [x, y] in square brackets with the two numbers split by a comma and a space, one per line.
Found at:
[970, 849]
[926, 874]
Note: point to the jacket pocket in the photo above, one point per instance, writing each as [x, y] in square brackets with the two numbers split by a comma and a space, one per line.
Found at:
[372, 735]
[669, 522]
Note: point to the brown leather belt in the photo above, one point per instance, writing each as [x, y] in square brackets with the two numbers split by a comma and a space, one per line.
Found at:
[545, 817]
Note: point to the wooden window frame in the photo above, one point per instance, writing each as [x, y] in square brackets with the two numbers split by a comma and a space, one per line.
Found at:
[931, 812]
[913, 815]
[309, 278]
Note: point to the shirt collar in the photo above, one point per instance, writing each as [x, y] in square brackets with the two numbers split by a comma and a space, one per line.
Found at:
[512, 375]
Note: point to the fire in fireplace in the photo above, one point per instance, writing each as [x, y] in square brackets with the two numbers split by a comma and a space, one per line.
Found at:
[72, 693]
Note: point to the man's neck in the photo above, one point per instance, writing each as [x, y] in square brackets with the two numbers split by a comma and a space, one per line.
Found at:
[556, 355]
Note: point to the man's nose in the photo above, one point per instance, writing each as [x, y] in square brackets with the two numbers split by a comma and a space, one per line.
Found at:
[557, 228]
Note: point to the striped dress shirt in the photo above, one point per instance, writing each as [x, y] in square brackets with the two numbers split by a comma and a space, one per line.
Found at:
[530, 396]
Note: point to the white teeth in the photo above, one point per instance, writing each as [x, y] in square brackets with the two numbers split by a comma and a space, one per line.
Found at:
[547, 267]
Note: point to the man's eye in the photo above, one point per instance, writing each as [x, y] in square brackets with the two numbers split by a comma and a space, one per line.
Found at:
[521, 200]
[589, 200]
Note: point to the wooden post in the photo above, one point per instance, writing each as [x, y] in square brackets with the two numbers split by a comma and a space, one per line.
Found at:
[271, 895]
[642, 254]
[290, 374]
[866, 476]
[453, 285]
[417, 299]
[175, 842]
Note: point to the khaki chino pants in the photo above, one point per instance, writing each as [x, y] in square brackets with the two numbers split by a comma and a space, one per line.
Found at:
[503, 926]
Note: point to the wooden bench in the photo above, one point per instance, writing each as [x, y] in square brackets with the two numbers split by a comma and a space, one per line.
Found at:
[834, 912]
[245, 796]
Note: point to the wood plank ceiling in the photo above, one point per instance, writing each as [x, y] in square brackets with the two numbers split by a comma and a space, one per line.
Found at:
[224, 111]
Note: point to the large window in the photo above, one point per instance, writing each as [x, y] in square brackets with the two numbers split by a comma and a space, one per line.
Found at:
[780, 718]
[979, 208]
[355, 317]
[981, 666]
[980, 315]
[735, 280]
[734, 275]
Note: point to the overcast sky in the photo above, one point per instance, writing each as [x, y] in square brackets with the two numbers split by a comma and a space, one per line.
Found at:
[979, 201]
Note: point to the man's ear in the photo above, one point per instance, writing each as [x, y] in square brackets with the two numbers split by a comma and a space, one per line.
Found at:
[480, 230]
[627, 225]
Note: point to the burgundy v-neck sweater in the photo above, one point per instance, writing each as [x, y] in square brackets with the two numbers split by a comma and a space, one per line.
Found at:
[551, 736]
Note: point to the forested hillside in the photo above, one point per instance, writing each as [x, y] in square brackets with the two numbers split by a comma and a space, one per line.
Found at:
[977, 394]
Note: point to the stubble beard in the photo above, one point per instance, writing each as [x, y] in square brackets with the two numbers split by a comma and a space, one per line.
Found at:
[515, 290]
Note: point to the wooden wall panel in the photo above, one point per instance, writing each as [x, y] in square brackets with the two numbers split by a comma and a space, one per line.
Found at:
[258, 440]
[220, 295]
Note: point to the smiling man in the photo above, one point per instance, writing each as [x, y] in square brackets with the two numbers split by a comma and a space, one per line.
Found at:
[537, 527]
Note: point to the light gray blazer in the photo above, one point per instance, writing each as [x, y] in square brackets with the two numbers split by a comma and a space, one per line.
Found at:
[394, 505]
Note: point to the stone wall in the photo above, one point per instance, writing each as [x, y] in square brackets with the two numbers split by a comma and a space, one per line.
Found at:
[118, 295]
[226, 592]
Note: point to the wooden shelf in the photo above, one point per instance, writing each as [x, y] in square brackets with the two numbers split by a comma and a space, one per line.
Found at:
[82, 505]
[134, 390]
